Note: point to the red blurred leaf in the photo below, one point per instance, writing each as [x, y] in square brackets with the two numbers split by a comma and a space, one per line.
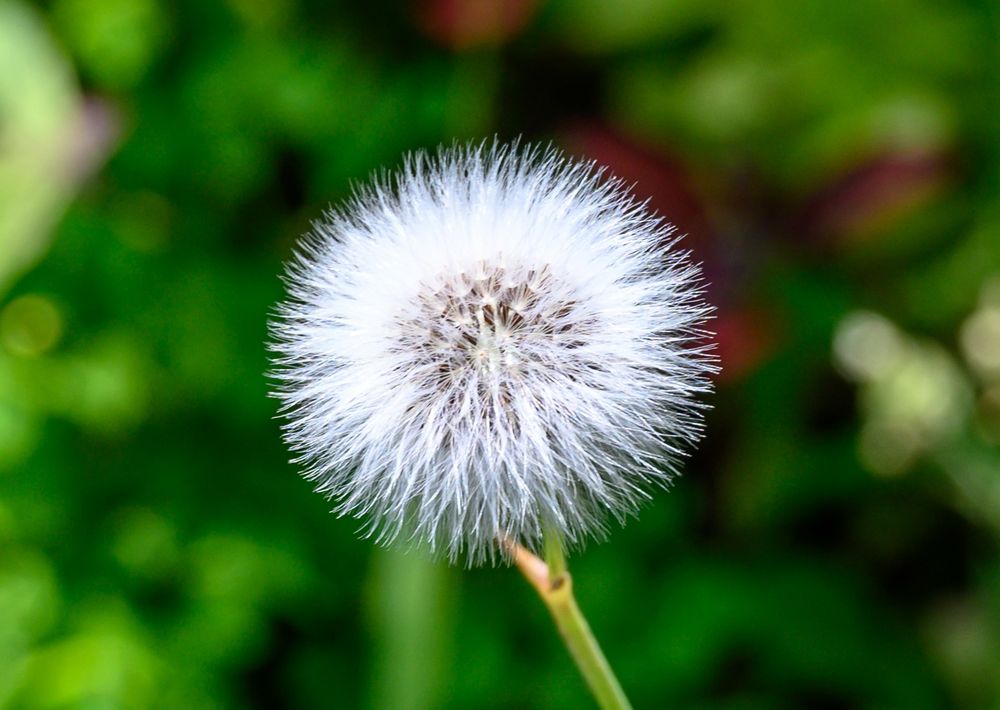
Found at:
[656, 177]
[466, 24]
[870, 198]
[744, 336]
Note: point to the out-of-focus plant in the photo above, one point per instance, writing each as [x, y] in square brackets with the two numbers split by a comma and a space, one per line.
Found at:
[51, 139]
[825, 159]
[924, 405]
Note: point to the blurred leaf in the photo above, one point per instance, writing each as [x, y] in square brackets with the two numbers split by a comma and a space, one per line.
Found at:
[39, 107]
[115, 40]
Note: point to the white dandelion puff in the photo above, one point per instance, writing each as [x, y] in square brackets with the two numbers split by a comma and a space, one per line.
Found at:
[492, 342]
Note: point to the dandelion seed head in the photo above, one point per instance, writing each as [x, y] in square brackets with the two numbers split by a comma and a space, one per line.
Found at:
[493, 341]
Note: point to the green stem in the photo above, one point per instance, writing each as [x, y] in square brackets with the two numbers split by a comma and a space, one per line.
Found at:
[556, 590]
[555, 556]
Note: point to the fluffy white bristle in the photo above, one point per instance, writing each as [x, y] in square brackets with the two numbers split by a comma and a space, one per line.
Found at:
[493, 341]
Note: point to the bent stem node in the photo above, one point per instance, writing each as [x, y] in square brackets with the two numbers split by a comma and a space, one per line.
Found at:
[554, 585]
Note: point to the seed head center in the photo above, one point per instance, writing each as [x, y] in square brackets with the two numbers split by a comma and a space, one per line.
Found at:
[489, 318]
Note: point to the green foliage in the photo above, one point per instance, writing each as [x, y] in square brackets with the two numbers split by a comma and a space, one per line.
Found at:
[833, 543]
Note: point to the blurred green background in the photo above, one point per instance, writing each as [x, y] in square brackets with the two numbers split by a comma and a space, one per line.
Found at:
[836, 166]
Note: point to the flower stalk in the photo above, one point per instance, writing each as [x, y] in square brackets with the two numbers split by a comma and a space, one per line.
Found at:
[554, 585]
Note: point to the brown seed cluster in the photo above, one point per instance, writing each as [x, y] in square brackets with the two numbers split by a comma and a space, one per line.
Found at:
[491, 318]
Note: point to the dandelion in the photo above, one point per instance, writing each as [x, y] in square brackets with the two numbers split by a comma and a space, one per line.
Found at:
[495, 342]
[496, 349]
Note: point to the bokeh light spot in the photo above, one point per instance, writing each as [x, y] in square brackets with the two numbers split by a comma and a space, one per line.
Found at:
[30, 326]
[867, 345]
[980, 338]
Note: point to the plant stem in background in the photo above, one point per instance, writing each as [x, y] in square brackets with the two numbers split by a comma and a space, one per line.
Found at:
[554, 585]
[410, 610]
